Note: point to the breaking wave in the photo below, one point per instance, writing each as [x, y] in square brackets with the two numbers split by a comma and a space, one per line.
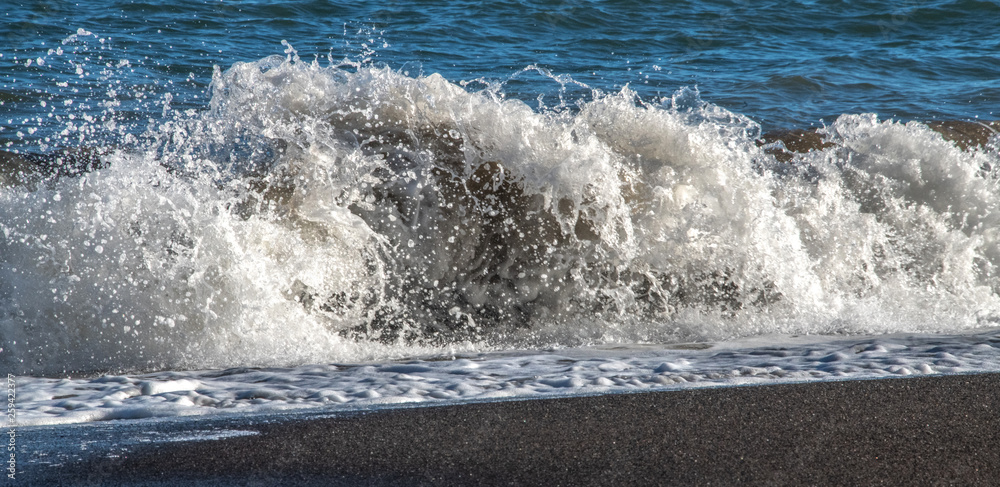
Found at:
[332, 213]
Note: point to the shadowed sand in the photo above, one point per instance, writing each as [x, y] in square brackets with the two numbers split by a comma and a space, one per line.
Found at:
[914, 431]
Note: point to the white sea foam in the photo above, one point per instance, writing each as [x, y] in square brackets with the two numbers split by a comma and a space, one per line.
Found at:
[501, 375]
[316, 214]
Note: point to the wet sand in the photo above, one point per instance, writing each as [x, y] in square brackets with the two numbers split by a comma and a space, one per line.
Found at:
[913, 431]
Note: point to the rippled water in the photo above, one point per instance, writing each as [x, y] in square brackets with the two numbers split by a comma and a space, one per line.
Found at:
[785, 64]
[208, 184]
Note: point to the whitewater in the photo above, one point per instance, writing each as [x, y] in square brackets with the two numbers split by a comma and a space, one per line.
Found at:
[343, 234]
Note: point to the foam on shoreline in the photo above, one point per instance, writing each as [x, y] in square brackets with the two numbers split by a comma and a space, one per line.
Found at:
[501, 375]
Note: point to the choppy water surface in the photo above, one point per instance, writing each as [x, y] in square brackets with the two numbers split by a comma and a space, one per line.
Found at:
[200, 185]
[784, 64]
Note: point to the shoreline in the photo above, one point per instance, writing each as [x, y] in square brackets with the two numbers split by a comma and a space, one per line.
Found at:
[894, 431]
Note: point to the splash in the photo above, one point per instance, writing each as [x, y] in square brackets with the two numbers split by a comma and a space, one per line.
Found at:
[333, 213]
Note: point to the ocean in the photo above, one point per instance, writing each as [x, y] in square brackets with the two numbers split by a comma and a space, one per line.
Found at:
[215, 208]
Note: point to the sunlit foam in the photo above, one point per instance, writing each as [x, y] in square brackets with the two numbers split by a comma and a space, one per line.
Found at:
[317, 213]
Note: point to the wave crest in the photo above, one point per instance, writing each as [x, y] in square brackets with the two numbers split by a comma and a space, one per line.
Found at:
[339, 213]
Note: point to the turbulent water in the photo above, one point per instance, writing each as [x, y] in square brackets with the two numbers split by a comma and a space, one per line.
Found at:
[304, 209]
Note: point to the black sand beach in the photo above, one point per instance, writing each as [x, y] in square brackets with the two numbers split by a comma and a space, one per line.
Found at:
[941, 430]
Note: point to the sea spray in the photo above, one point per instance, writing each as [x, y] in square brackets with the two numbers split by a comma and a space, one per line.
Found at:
[329, 213]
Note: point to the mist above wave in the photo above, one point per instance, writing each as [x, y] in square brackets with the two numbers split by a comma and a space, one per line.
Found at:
[328, 213]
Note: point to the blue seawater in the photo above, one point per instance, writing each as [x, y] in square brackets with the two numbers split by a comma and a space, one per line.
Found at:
[785, 64]
[208, 184]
